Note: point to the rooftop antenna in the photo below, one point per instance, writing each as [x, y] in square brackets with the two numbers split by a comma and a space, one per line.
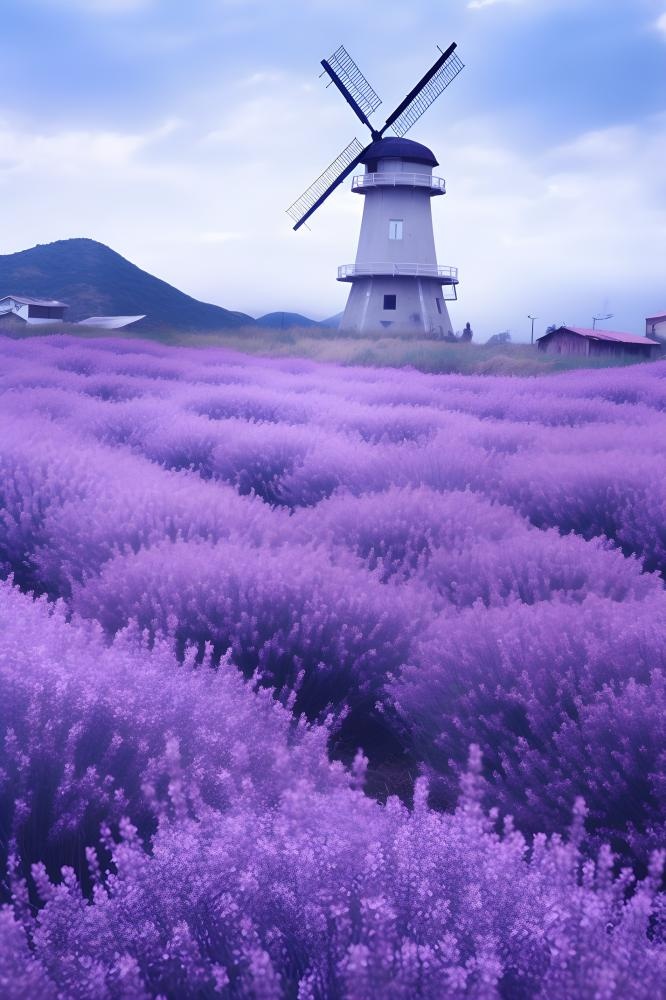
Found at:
[600, 319]
[396, 281]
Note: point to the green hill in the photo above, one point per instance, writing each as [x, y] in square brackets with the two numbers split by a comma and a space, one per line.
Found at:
[285, 321]
[96, 281]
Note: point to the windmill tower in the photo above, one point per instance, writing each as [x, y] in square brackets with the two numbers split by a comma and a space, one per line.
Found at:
[397, 286]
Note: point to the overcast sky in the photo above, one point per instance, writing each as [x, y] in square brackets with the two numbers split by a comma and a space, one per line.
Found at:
[179, 132]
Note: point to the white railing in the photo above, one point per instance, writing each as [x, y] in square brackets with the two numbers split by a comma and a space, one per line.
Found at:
[447, 275]
[380, 179]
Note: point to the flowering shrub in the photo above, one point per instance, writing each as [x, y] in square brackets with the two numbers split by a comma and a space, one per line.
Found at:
[261, 565]
[68, 506]
[329, 633]
[468, 549]
[561, 698]
[235, 860]
[76, 755]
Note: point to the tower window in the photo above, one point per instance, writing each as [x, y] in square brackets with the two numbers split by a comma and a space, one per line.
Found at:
[439, 304]
[395, 229]
[389, 301]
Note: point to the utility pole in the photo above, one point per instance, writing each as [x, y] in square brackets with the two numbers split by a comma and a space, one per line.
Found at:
[532, 334]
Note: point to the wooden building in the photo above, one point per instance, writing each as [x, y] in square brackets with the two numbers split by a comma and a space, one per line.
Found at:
[597, 343]
[655, 327]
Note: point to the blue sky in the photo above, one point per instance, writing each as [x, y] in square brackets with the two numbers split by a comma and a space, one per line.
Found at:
[178, 133]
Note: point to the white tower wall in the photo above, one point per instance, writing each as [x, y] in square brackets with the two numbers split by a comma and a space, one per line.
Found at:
[396, 284]
[417, 312]
[412, 207]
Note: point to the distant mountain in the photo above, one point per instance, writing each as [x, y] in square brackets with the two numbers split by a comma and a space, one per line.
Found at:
[96, 281]
[332, 321]
[285, 321]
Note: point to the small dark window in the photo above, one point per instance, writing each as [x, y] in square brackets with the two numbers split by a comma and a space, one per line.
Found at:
[389, 302]
[439, 305]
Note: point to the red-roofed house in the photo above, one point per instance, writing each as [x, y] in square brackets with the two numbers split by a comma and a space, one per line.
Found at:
[597, 343]
[655, 326]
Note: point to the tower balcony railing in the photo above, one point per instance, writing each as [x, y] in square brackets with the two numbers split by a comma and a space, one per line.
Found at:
[364, 182]
[446, 275]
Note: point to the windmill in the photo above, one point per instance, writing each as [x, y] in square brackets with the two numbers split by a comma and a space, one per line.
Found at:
[397, 285]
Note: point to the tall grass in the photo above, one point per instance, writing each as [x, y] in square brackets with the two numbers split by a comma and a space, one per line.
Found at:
[328, 345]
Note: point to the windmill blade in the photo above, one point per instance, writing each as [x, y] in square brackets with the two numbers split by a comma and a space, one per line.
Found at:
[427, 90]
[351, 83]
[320, 189]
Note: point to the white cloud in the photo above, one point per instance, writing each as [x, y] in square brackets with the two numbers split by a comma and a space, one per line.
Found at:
[116, 6]
[102, 6]
[554, 231]
[260, 78]
[537, 6]
[558, 232]
[220, 237]
[478, 4]
[75, 152]
[660, 24]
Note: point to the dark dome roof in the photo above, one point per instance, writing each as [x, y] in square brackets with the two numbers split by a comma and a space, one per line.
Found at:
[405, 149]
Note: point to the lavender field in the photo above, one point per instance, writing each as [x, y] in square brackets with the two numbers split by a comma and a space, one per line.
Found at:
[325, 682]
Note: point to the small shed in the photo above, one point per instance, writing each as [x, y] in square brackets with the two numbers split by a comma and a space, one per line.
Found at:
[31, 311]
[597, 343]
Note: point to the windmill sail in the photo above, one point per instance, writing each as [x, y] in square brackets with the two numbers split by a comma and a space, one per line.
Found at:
[427, 90]
[351, 83]
[347, 77]
[320, 189]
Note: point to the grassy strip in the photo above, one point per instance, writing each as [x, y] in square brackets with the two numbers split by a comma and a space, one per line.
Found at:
[327, 345]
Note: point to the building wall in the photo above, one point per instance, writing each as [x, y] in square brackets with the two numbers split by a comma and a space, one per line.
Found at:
[40, 314]
[10, 322]
[562, 342]
[606, 348]
[412, 205]
[656, 328]
[417, 313]
[601, 350]
[19, 309]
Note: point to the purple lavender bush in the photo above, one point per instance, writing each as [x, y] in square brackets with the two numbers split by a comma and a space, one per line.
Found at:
[270, 595]
[328, 633]
[232, 859]
[564, 700]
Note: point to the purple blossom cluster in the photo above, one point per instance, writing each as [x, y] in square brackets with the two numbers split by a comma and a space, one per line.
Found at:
[257, 612]
[174, 832]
